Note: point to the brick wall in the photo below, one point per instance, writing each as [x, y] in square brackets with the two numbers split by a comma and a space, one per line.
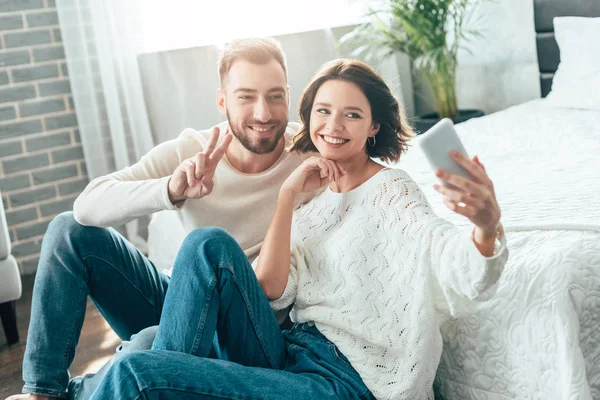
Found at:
[41, 160]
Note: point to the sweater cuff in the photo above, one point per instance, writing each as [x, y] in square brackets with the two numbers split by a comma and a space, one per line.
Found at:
[499, 245]
[493, 267]
[165, 196]
[287, 298]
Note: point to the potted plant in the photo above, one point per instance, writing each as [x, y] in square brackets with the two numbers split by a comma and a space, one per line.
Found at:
[430, 33]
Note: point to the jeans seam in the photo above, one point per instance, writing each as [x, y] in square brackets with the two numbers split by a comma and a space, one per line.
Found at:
[82, 294]
[254, 324]
[202, 320]
[122, 275]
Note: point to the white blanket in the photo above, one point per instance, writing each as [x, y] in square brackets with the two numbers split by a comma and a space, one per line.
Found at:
[539, 337]
[544, 161]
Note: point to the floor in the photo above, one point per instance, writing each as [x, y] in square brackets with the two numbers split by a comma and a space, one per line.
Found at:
[96, 345]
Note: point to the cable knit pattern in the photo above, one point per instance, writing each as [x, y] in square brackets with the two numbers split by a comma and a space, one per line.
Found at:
[376, 269]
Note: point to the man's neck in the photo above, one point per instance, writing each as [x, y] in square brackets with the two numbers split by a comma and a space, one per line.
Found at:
[251, 163]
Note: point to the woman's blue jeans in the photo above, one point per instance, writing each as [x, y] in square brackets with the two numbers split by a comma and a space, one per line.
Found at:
[213, 290]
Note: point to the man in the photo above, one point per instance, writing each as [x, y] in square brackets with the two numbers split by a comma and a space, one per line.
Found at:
[228, 177]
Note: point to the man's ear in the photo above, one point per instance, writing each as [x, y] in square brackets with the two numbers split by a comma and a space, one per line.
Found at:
[221, 103]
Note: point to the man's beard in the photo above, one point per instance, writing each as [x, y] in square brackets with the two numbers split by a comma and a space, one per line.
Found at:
[264, 145]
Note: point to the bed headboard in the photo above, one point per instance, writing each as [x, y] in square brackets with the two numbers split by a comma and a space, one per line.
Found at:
[547, 49]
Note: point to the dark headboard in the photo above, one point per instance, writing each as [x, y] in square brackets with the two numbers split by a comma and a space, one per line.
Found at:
[547, 49]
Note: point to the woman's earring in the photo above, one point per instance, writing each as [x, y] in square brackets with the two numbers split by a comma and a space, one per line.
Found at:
[372, 143]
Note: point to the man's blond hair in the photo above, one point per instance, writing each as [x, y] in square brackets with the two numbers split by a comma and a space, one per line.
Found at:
[255, 50]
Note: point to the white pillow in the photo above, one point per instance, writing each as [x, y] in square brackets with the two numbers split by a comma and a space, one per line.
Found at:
[576, 83]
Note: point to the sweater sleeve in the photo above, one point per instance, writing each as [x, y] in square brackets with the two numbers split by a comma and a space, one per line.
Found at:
[462, 276]
[291, 288]
[137, 190]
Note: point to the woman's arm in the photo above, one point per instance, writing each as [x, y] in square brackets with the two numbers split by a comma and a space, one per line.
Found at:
[273, 266]
[464, 275]
[485, 243]
[478, 197]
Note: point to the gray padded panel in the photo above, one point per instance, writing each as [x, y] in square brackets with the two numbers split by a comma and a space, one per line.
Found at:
[546, 83]
[10, 280]
[4, 237]
[547, 48]
[546, 10]
[548, 53]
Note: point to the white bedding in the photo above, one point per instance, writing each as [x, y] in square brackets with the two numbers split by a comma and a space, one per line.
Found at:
[544, 161]
[539, 337]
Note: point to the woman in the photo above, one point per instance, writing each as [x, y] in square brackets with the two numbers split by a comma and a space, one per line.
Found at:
[367, 265]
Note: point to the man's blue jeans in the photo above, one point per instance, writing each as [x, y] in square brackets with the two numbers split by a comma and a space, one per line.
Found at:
[214, 290]
[76, 262]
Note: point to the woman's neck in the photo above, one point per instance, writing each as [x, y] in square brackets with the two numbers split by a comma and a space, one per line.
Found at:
[357, 172]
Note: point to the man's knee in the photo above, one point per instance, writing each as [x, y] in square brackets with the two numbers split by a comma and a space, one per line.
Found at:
[64, 227]
[63, 223]
[65, 230]
[67, 238]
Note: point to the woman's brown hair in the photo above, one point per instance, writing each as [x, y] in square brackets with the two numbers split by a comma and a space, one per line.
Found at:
[394, 132]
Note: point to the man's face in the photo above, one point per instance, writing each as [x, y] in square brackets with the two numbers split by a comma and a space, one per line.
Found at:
[255, 100]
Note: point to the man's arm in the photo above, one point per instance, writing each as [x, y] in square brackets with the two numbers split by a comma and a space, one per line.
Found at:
[137, 190]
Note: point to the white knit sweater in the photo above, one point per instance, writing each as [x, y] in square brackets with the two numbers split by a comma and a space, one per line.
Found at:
[376, 270]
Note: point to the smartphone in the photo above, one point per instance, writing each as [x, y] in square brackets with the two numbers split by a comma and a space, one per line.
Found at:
[437, 143]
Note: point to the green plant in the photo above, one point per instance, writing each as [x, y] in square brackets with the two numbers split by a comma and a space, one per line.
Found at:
[429, 32]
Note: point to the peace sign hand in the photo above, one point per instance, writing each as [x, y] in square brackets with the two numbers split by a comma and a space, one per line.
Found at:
[193, 178]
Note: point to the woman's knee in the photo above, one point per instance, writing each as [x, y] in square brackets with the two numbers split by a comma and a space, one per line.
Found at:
[212, 233]
[212, 246]
[131, 360]
[127, 369]
[210, 240]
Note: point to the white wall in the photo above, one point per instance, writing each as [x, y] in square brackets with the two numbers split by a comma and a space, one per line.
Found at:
[180, 85]
[502, 71]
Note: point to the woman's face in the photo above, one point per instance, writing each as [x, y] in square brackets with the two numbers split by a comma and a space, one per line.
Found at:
[340, 121]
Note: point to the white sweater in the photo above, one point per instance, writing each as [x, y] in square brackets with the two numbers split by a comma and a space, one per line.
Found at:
[376, 270]
[242, 204]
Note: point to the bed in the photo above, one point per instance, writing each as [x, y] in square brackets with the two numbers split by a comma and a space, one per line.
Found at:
[539, 337]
